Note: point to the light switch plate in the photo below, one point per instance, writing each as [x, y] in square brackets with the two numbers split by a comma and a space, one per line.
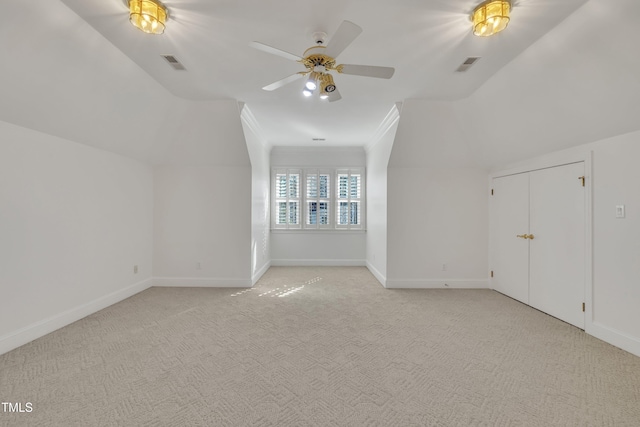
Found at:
[619, 211]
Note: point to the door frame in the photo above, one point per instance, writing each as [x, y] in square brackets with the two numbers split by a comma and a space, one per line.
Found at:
[545, 162]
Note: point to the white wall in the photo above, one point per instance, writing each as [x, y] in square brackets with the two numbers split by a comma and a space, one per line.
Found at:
[331, 157]
[437, 216]
[318, 247]
[260, 195]
[377, 161]
[202, 226]
[74, 221]
[202, 201]
[292, 248]
[437, 209]
[616, 270]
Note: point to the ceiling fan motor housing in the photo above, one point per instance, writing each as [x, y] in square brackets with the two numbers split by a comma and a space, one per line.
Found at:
[315, 57]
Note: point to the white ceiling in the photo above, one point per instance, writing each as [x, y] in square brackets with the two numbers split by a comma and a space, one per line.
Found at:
[425, 40]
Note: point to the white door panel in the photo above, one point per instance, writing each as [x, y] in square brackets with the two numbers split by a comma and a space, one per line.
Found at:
[557, 252]
[510, 254]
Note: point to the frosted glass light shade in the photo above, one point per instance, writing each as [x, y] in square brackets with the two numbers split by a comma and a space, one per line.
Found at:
[491, 17]
[147, 15]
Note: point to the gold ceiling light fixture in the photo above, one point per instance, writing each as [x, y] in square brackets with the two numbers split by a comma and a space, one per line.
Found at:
[490, 17]
[148, 15]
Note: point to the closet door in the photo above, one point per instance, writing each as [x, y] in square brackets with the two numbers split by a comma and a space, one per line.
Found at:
[557, 251]
[510, 218]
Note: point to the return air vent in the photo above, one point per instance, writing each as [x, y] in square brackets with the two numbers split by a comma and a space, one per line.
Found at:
[467, 64]
[174, 62]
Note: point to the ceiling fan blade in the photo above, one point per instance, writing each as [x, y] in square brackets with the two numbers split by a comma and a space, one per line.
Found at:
[367, 70]
[285, 81]
[335, 96]
[346, 33]
[274, 51]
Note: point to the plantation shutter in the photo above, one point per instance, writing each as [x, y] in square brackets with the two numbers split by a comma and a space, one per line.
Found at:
[318, 199]
[287, 188]
[349, 192]
[315, 199]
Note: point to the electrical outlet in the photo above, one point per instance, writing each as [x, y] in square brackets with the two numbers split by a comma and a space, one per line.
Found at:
[444, 267]
[135, 269]
[198, 266]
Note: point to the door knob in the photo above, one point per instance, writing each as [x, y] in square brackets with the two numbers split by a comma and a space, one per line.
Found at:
[526, 236]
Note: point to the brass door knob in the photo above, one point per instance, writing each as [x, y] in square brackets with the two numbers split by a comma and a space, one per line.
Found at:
[530, 236]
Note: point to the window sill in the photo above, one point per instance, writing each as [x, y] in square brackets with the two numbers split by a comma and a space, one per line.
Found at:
[316, 231]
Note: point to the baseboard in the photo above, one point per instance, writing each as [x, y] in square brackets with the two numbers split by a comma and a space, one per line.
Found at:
[260, 272]
[200, 282]
[46, 326]
[377, 274]
[437, 284]
[614, 337]
[318, 262]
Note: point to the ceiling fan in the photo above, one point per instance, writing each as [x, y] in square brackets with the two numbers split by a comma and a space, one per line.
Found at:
[319, 60]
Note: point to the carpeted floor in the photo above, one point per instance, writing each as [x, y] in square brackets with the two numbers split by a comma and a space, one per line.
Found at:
[320, 347]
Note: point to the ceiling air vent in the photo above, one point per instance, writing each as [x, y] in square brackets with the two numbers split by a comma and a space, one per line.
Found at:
[467, 64]
[319, 139]
[174, 62]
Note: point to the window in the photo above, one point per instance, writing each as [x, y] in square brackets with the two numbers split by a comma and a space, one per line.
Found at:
[348, 199]
[318, 199]
[287, 198]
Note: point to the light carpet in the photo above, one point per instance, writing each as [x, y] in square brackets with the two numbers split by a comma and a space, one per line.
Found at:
[320, 347]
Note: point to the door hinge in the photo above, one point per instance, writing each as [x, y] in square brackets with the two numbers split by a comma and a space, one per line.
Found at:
[583, 307]
[492, 191]
[491, 273]
[582, 178]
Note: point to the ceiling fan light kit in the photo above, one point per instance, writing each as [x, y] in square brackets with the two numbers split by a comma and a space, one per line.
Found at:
[490, 17]
[149, 16]
[327, 84]
[312, 81]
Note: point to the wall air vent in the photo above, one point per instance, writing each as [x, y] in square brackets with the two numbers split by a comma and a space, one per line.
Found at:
[319, 139]
[467, 64]
[174, 62]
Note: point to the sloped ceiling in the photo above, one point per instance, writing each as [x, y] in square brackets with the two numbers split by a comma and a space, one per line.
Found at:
[80, 71]
[578, 84]
[425, 40]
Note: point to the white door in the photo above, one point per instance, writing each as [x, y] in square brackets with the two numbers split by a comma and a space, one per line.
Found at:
[557, 251]
[510, 218]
